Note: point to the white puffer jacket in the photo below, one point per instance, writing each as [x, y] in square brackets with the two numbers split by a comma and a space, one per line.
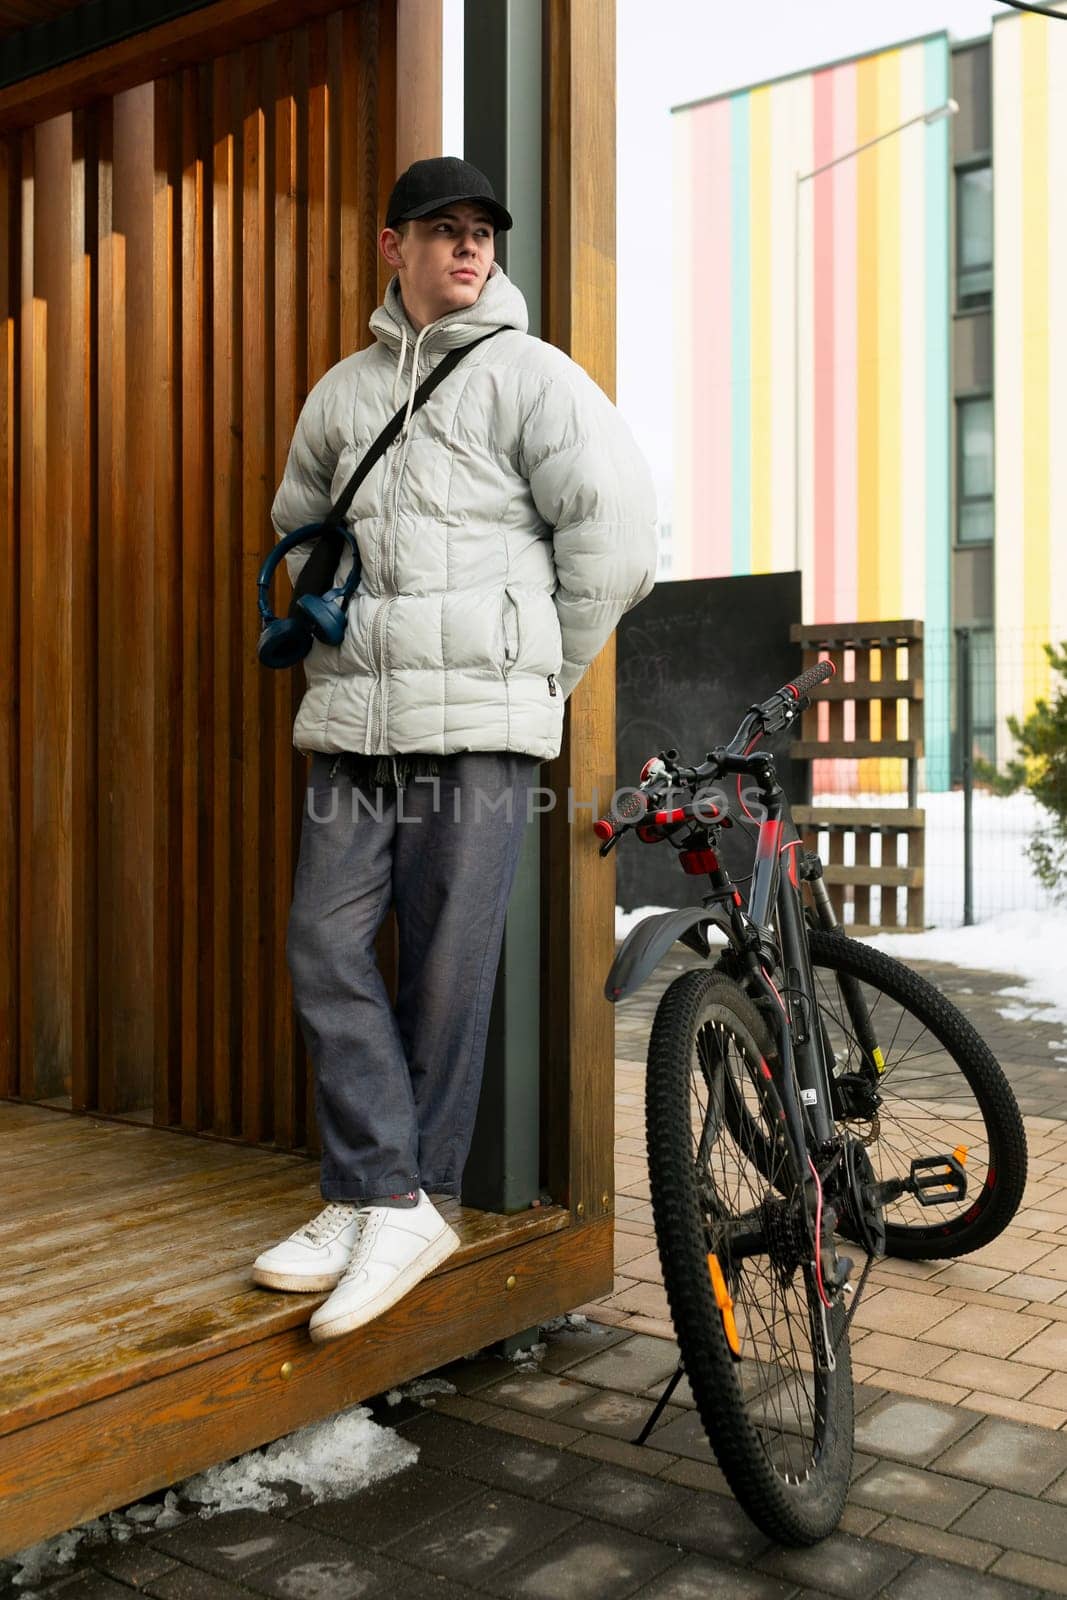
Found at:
[502, 536]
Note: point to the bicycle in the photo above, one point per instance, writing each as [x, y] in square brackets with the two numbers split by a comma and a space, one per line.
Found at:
[788, 1109]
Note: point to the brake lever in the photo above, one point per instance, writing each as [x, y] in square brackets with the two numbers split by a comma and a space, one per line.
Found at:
[780, 714]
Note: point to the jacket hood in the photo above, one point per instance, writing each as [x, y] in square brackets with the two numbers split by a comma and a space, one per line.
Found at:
[500, 305]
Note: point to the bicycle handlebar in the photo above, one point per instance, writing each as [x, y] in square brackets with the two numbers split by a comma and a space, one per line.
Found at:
[774, 714]
[782, 708]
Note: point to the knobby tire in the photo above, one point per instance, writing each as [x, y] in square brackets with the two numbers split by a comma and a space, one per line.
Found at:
[756, 1418]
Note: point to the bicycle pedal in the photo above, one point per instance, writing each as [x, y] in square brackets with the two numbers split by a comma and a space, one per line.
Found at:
[939, 1180]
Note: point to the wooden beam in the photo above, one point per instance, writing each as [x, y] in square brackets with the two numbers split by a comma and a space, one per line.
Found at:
[847, 635]
[889, 877]
[870, 688]
[578, 888]
[10, 257]
[856, 749]
[896, 819]
[198, 36]
[419, 66]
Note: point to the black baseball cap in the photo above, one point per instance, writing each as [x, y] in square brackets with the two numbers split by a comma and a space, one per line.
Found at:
[440, 181]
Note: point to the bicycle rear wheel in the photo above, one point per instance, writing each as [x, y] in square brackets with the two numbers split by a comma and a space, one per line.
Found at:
[729, 1208]
[941, 1088]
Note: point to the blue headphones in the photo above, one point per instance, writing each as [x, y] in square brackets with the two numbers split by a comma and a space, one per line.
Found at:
[286, 640]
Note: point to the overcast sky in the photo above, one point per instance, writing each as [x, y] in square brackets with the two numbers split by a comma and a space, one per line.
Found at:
[695, 48]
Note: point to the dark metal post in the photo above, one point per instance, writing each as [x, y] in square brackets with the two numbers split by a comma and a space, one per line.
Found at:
[965, 724]
[502, 136]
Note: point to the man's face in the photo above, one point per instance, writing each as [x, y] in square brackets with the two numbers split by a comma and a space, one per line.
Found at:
[442, 260]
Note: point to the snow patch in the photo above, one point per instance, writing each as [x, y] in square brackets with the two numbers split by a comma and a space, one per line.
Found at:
[1029, 944]
[570, 1319]
[327, 1459]
[424, 1390]
[625, 920]
[529, 1360]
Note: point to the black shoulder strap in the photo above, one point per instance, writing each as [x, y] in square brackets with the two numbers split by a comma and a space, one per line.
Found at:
[392, 428]
[316, 575]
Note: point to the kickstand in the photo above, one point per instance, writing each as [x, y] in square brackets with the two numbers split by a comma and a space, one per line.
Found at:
[660, 1403]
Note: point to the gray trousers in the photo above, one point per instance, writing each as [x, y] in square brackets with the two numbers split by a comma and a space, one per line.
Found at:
[396, 1091]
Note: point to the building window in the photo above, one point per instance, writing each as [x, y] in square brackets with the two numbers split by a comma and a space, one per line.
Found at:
[983, 693]
[983, 700]
[974, 457]
[974, 237]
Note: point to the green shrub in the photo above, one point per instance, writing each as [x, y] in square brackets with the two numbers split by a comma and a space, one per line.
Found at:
[1040, 765]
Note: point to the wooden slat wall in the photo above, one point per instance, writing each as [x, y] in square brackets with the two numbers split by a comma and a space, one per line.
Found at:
[179, 263]
[9, 658]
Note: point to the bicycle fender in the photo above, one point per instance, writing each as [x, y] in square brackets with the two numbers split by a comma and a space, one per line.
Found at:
[648, 942]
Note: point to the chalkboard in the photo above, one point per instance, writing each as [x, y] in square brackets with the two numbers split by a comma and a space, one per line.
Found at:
[691, 659]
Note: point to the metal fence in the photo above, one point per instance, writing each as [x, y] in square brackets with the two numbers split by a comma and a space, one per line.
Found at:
[978, 839]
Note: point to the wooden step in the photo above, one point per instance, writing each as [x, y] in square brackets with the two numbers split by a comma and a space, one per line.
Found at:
[137, 1349]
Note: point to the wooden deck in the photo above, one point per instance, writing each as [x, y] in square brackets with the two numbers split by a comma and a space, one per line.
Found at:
[136, 1348]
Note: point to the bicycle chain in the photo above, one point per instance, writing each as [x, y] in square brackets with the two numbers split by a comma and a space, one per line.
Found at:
[855, 1302]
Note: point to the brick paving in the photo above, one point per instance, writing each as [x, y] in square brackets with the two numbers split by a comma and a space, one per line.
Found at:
[525, 1490]
[528, 1486]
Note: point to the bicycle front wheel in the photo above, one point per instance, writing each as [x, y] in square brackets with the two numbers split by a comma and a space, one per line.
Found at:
[729, 1207]
[939, 1089]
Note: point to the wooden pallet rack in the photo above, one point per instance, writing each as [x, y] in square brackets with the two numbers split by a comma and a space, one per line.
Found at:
[879, 664]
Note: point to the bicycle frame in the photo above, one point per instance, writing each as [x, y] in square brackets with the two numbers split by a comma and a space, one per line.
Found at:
[804, 1086]
[826, 1187]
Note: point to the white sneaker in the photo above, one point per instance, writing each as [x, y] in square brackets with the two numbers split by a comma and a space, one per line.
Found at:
[315, 1256]
[397, 1247]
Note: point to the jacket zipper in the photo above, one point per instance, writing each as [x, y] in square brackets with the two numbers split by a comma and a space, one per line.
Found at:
[378, 626]
[552, 684]
[401, 447]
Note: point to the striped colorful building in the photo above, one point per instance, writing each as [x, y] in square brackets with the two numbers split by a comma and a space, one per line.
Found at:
[835, 405]
[1029, 69]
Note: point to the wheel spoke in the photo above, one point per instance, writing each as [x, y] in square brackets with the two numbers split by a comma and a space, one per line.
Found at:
[743, 1166]
[930, 1097]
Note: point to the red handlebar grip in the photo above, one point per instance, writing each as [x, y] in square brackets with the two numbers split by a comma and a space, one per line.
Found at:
[630, 807]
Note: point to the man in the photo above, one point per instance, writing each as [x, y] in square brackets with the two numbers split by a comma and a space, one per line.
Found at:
[501, 538]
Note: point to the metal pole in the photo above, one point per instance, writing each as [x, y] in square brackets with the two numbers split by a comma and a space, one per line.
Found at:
[502, 135]
[965, 724]
[796, 380]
